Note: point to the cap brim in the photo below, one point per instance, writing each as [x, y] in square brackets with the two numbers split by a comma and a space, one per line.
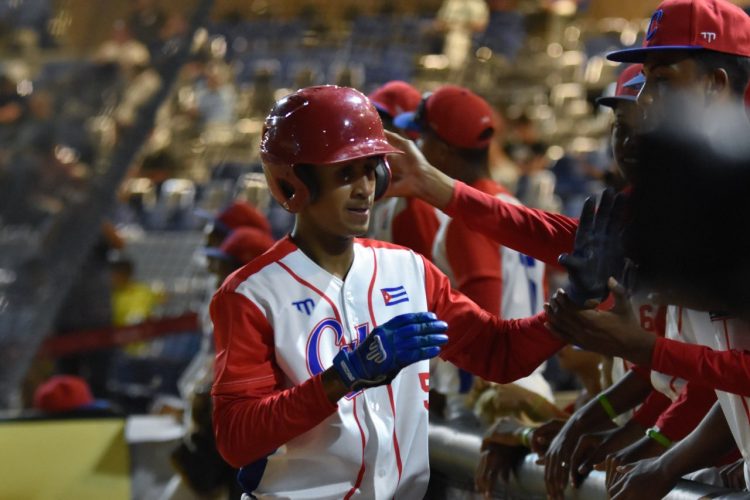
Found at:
[639, 54]
[406, 121]
[612, 101]
[216, 253]
[637, 81]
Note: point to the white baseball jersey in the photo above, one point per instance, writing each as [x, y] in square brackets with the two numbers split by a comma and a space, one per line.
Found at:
[723, 333]
[280, 321]
[522, 289]
[681, 326]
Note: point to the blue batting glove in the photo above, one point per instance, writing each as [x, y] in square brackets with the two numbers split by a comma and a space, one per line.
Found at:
[403, 340]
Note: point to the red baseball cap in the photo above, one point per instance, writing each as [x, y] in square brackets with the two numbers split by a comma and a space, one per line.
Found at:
[242, 246]
[395, 97]
[63, 393]
[241, 214]
[629, 83]
[456, 114]
[715, 25]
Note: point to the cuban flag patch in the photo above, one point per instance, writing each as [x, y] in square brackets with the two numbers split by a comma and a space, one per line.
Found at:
[395, 295]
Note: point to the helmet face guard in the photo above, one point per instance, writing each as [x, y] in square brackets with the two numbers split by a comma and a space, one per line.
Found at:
[323, 125]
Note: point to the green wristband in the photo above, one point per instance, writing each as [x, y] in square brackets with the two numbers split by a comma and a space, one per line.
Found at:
[608, 408]
[655, 434]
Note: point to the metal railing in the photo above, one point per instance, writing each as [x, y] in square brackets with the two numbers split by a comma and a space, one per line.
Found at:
[454, 455]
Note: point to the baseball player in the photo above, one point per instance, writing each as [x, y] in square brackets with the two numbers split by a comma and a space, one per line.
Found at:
[700, 47]
[201, 469]
[545, 236]
[456, 128]
[322, 344]
[408, 222]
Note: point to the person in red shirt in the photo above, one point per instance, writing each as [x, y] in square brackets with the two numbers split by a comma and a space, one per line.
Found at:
[408, 221]
[545, 236]
[456, 128]
[322, 343]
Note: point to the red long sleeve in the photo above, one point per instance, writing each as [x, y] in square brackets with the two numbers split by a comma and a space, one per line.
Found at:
[653, 406]
[256, 417]
[687, 411]
[727, 371]
[476, 266]
[415, 227]
[536, 233]
[497, 350]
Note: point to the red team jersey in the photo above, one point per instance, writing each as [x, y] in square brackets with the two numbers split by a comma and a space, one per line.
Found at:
[278, 323]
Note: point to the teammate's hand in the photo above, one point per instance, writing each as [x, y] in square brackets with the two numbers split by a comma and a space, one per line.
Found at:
[733, 475]
[616, 332]
[643, 480]
[403, 340]
[413, 176]
[639, 450]
[597, 252]
[556, 460]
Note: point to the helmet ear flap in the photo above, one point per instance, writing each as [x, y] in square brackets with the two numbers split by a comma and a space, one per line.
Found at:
[382, 178]
[306, 174]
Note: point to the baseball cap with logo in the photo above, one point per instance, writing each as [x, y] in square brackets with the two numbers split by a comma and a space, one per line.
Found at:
[715, 25]
[242, 246]
[629, 83]
[456, 114]
[395, 97]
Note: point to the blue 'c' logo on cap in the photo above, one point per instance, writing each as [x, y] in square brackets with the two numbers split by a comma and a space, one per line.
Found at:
[653, 26]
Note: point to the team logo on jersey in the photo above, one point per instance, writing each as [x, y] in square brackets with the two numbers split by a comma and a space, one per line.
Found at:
[393, 296]
[305, 305]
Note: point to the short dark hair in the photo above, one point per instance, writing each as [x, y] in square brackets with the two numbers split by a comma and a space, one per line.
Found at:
[737, 68]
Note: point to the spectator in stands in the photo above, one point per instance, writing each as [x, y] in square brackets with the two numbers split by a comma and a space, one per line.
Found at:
[460, 20]
[12, 110]
[505, 32]
[119, 45]
[133, 302]
[88, 306]
[536, 185]
[145, 21]
[215, 98]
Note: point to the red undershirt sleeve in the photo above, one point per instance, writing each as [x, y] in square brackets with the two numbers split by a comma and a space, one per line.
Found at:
[475, 262]
[687, 411]
[497, 350]
[253, 415]
[536, 233]
[723, 370]
[415, 227]
[653, 406]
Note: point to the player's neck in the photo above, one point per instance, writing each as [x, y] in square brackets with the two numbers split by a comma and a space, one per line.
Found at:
[333, 254]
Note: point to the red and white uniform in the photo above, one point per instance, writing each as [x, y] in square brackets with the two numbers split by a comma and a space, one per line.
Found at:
[501, 280]
[278, 323]
[730, 337]
[409, 222]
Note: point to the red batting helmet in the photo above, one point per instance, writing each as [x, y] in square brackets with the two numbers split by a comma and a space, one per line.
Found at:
[321, 125]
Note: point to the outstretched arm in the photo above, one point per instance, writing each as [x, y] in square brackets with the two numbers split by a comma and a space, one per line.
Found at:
[539, 234]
